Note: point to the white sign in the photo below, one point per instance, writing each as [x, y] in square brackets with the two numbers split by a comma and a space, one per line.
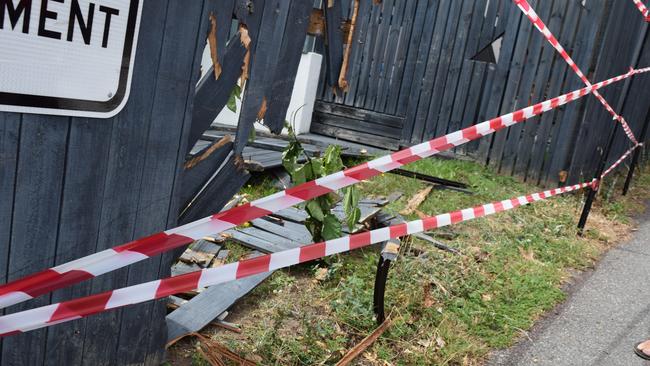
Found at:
[67, 57]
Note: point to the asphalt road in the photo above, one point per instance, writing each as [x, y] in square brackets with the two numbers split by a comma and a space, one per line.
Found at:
[607, 312]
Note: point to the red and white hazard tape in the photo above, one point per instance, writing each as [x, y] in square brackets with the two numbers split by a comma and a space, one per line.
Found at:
[642, 8]
[539, 24]
[111, 259]
[620, 160]
[85, 306]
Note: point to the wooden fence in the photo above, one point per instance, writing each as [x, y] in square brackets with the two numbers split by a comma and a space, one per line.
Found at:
[414, 75]
[71, 187]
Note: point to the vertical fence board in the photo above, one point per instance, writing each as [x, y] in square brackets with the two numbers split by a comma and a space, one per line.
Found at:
[121, 189]
[79, 225]
[523, 99]
[37, 199]
[405, 39]
[446, 121]
[568, 124]
[357, 46]
[368, 51]
[390, 57]
[497, 80]
[429, 76]
[559, 72]
[411, 86]
[482, 73]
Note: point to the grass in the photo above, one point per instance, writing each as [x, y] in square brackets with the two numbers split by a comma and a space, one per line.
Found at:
[446, 309]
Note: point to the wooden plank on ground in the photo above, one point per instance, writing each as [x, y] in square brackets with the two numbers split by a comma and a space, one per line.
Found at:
[207, 305]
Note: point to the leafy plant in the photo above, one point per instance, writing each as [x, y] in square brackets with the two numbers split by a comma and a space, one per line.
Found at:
[232, 99]
[321, 223]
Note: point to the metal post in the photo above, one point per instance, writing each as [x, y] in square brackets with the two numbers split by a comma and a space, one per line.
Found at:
[637, 153]
[591, 196]
[389, 253]
[601, 167]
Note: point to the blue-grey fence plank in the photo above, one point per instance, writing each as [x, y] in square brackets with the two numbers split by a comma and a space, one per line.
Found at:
[445, 120]
[260, 63]
[334, 45]
[175, 72]
[429, 75]
[560, 70]
[212, 94]
[287, 65]
[9, 142]
[389, 72]
[417, 51]
[356, 53]
[482, 74]
[524, 95]
[497, 81]
[590, 31]
[406, 38]
[78, 226]
[368, 51]
[379, 65]
[562, 21]
[467, 68]
[37, 200]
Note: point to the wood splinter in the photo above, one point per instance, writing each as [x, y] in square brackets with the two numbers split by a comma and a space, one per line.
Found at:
[212, 42]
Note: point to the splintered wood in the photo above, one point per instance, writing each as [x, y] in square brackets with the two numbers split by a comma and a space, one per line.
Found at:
[246, 41]
[343, 82]
[364, 344]
[416, 201]
[212, 41]
[215, 146]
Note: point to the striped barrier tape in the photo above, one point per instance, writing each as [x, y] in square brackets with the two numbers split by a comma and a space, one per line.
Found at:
[539, 24]
[111, 259]
[78, 308]
[620, 160]
[642, 8]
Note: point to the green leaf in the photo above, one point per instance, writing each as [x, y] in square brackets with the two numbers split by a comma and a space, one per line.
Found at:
[232, 103]
[331, 227]
[317, 167]
[314, 228]
[350, 206]
[237, 91]
[301, 175]
[251, 135]
[332, 159]
[314, 210]
[290, 157]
